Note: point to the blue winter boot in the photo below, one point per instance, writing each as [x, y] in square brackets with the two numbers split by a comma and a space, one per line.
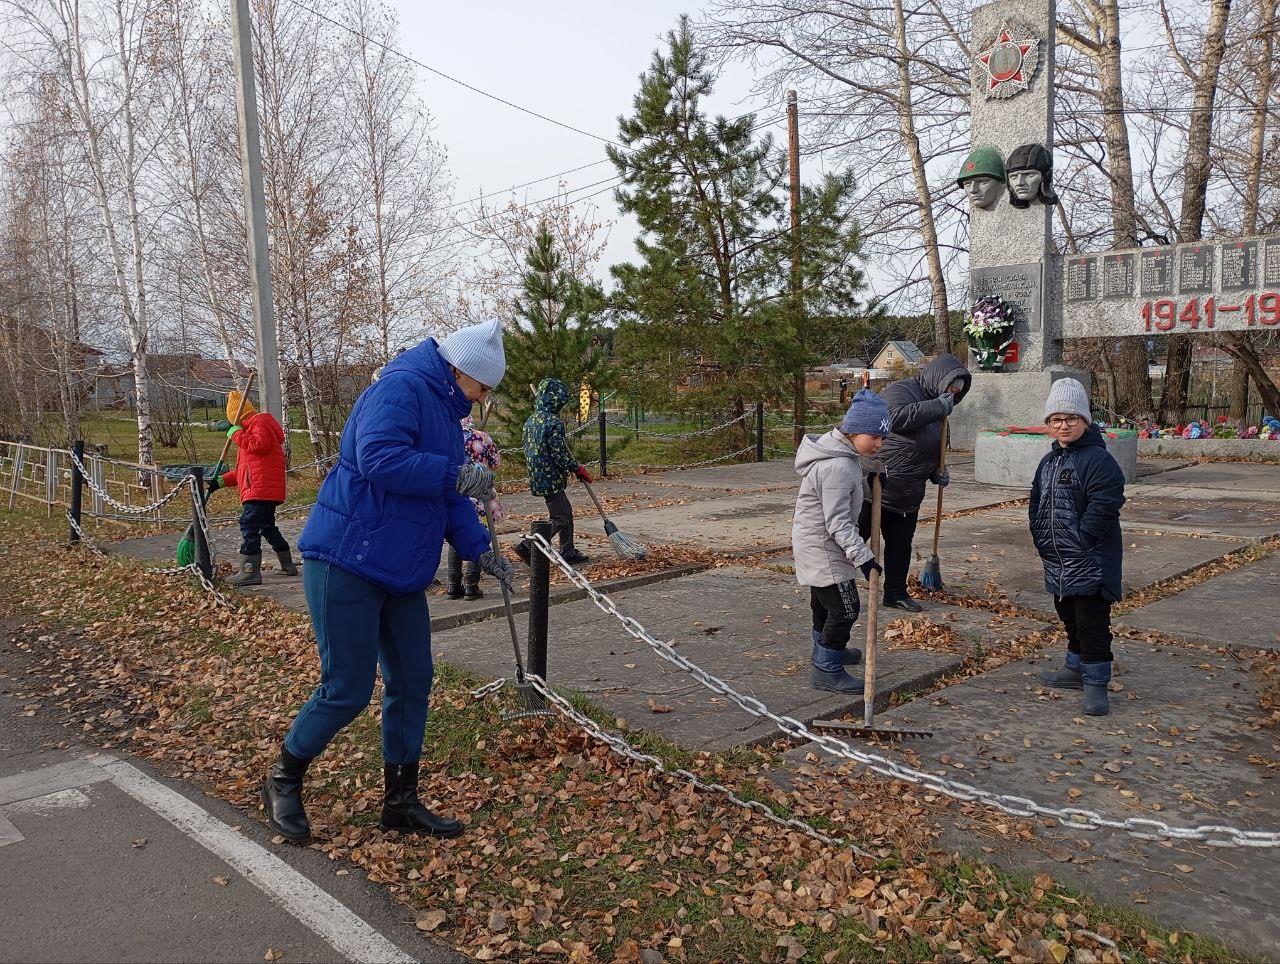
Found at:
[852, 655]
[1096, 676]
[1067, 678]
[828, 672]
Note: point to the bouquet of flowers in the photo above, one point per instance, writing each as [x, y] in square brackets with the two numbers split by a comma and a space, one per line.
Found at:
[989, 330]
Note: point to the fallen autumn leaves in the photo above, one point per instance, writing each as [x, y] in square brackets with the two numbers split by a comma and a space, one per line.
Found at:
[570, 852]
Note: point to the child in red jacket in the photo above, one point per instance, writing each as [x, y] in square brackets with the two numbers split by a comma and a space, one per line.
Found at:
[260, 476]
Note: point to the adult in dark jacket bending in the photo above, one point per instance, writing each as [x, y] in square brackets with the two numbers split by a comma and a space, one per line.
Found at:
[917, 406]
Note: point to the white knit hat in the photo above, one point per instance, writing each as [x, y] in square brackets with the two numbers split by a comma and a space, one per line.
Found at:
[477, 351]
[1068, 397]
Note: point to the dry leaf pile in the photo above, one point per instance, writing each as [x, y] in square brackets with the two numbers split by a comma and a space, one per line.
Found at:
[570, 853]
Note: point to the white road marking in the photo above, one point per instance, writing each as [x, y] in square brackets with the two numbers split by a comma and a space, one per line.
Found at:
[328, 918]
[54, 802]
[50, 779]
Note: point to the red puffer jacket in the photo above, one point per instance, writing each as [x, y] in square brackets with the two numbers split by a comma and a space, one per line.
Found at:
[259, 471]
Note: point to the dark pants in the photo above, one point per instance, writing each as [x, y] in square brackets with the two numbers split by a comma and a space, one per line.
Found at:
[258, 522]
[560, 509]
[456, 570]
[359, 627]
[1088, 623]
[897, 529]
[835, 610]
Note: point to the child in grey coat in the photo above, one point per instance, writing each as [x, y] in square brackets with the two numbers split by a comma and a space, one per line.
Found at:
[825, 542]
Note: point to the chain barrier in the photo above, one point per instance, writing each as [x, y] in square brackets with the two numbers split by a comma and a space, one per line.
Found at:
[103, 494]
[687, 465]
[672, 436]
[315, 462]
[1143, 828]
[622, 748]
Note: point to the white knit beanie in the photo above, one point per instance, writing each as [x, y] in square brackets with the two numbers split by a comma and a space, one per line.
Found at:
[477, 351]
[1068, 397]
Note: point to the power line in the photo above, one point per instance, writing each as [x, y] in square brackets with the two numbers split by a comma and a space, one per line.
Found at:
[449, 77]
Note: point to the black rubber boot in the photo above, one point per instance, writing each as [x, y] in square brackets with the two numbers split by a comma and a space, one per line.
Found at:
[250, 573]
[455, 589]
[574, 556]
[282, 797]
[905, 603]
[401, 809]
[828, 672]
[473, 593]
[287, 566]
[1096, 676]
[1066, 678]
[522, 550]
[852, 655]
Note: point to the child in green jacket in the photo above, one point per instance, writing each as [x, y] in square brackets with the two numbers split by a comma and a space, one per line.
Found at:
[547, 455]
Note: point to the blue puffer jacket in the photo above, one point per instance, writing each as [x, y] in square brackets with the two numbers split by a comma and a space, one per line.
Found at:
[390, 502]
[1075, 518]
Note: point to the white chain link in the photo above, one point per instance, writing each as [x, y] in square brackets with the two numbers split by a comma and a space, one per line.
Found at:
[683, 435]
[1143, 828]
[103, 494]
[315, 462]
[687, 465]
[620, 746]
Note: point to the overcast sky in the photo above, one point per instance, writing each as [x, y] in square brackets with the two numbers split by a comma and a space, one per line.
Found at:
[577, 61]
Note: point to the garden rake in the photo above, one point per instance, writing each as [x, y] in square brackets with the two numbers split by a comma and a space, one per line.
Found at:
[931, 575]
[187, 544]
[622, 544]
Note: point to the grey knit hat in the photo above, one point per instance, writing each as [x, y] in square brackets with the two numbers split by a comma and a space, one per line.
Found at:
[1068, 397]
[477, 351]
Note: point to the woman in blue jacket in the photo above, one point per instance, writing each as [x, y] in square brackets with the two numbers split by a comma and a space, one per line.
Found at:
[372, 546]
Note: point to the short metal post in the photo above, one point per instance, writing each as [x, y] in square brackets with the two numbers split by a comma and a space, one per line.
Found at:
[604, 441]
[539, 604]
[77, 491]
[203, 559]
[759, 431]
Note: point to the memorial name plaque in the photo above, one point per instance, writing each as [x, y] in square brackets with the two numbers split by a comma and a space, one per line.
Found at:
[1229, 285]
[1157, 272]
[1239, 265]
[1271, 265]
[1019, 284]
[1081, 279]
[1195, 268]
[1117, 276]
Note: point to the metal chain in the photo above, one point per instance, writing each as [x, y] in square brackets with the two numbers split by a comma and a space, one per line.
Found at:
[687, 465]
[315, 462]
[683, 435]
[121, 506]
[1143, 828]
[620, 746]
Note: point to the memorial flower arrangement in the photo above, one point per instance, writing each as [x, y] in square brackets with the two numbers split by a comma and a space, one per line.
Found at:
[1220, 428]
[989, 330]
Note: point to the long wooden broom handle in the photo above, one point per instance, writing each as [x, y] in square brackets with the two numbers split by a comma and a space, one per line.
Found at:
[244, 397]
[873, 612]
[942, 465]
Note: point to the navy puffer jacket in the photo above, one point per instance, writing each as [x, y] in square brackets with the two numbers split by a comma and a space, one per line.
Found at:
[911, 451]
[1075, 518]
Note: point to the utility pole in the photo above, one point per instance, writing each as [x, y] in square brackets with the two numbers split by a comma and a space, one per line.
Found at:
[255, 210]
[797, 278]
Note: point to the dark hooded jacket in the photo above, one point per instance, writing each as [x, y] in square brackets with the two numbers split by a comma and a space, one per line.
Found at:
[546, 451]
[911, 451]
[1075, 518]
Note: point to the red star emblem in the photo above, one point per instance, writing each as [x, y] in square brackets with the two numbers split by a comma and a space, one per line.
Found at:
[1010, 61]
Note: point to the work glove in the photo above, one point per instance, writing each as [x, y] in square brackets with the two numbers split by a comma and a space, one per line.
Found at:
[941, 478]
[498, 567]
[233, 429]
[215, 484]
[475, 481]
[869, 567]
[582, 473]
[948, 402]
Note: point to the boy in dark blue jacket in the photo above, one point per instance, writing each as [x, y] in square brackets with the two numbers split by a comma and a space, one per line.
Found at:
[1075, 524]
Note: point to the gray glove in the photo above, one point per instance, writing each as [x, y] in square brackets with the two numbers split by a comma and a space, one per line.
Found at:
[475, 481]
[498, 567]
[941, 478]
[948, 402]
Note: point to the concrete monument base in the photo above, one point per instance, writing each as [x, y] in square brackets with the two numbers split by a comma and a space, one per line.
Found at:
[997, 400]
[1010, 459]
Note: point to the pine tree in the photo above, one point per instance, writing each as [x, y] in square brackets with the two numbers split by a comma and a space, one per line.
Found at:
[557, 332]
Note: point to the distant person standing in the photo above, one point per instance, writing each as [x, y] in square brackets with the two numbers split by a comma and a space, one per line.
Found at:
[917, 406]
[550, 463]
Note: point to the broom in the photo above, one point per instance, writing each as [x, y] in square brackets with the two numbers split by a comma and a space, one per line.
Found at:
[187, 544]
[623, 545]
[931, 575]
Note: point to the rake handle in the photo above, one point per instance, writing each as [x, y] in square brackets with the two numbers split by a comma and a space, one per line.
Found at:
[506, 594]
[942, 464]
[873, 612]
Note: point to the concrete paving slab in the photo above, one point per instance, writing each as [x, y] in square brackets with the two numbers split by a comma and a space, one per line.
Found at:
[1234, 519]
[1235, 608]
[1177, 747]
[996, 548]
[741, 476]
[750, 522]
[1237, 476]
[748, 627]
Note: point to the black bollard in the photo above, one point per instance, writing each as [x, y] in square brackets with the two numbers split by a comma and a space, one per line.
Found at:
[759, 431]
[539, 602]
[77, 491]
[203, 559]
[604, 452]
